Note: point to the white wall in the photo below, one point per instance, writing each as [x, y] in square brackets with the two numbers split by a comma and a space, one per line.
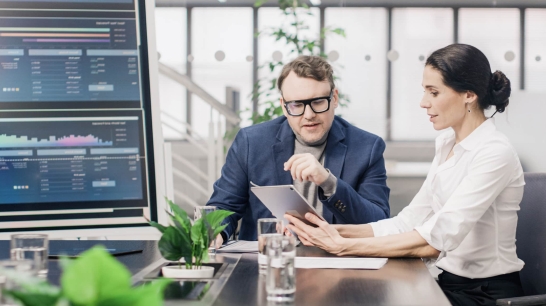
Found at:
[524, 123]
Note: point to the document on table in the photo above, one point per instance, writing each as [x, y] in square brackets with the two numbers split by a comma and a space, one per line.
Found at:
[340, 263]
[240, 246]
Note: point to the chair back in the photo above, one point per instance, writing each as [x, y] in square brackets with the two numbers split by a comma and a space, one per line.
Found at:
[531, 234]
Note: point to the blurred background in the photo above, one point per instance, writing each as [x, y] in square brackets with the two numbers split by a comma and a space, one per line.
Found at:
[219, 60]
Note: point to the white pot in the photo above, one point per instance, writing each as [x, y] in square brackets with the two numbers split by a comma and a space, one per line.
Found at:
[182, 272]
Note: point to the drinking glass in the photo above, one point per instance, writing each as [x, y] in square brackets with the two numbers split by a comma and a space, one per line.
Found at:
[280, 281]
[33, 247]
[9, 269]
[267, 227]
[200, 212]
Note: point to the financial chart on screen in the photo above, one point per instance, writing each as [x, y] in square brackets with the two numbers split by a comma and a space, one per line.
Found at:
[73, 138]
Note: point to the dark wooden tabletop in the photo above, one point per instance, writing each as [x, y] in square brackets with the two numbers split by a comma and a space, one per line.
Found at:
[399, 282]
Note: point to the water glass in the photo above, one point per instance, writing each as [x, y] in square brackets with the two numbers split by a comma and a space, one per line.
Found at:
[33, 247]
[9, 269]
[280, 281]
[200, 212]
[267, 227]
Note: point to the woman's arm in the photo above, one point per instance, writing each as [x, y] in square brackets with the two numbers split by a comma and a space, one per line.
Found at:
[326, 237]
[354, 230]
[409, 244]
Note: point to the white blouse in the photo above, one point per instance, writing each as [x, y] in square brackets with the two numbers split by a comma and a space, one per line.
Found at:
[467, 207]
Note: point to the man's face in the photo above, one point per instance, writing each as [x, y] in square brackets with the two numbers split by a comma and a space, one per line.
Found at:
[311, 127]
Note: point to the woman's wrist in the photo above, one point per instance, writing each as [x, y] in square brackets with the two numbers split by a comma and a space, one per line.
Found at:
[345, 246]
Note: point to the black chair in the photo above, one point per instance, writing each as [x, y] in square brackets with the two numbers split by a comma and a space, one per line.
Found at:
[531, 242]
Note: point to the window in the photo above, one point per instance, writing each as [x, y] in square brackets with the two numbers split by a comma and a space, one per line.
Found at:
[268, 48]
[535, 55]
[171, 45]
[416, 33]
[496, 33]
[221, 50]
[362, 64]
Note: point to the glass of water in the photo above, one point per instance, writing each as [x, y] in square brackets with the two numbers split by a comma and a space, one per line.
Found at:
[267, 227]
[32, 247]
[200, 212]
[280, 281]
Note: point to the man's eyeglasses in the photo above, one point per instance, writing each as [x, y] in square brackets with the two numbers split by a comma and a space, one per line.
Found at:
[318, 105]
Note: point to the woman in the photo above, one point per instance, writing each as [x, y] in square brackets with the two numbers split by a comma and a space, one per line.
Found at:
[464, 218]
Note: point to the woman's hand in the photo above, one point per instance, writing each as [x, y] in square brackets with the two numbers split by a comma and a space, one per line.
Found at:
[324, 236]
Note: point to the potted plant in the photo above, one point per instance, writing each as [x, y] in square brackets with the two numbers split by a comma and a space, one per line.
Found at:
[95, 278]
[182, 240]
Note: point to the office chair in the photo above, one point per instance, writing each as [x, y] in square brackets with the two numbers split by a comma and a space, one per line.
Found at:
[531, 242]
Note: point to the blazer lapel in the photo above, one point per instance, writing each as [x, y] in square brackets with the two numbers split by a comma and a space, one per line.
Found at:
[282, 151]
[335, 150]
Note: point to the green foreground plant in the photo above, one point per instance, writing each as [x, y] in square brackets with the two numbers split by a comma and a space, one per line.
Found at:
[96, 278]
[184, 240]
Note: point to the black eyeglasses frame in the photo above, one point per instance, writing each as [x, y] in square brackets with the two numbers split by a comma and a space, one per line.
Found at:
[308, 102]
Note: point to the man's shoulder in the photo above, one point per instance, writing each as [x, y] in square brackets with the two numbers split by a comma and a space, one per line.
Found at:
[353, 133]
[265, 130]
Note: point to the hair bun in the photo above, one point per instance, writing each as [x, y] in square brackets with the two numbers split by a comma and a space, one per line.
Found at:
[499, 91]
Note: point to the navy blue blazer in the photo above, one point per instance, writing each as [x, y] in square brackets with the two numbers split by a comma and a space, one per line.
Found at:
[258, 154]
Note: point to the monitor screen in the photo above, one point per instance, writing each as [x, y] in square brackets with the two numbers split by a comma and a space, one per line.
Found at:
[74, 148]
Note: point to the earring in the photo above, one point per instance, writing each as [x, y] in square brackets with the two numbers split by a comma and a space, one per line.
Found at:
[467, 107]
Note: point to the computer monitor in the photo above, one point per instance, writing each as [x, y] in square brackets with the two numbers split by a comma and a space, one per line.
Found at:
[80, 138]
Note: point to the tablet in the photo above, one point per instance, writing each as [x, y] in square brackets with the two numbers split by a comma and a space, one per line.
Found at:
[283, 199]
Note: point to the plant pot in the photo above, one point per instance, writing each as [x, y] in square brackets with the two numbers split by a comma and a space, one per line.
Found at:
[182, 272]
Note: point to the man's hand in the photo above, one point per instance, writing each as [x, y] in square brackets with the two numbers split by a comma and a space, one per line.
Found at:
[305, 167]
[218, 241]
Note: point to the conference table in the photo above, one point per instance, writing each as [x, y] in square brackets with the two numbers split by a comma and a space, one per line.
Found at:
[403, 281]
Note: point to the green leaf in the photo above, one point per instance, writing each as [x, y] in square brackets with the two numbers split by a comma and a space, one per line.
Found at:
[339, 31]
[159, 227]
[259, 3]
[93, 276]
[181, 216]
[173, 245]
[219, 229]
[33, 299]
[146, 295]
[216, 217]
[200, 239]
[197, 231]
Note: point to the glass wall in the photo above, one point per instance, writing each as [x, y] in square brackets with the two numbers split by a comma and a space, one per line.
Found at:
[270, 18]
[416, 33]
[496, 33]
[222, 57]
[171, 45]
[535, 52]
[360, 63]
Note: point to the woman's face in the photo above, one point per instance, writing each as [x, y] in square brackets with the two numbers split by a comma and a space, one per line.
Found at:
[445, 107]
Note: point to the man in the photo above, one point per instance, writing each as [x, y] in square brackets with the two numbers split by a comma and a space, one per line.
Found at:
[336, 166]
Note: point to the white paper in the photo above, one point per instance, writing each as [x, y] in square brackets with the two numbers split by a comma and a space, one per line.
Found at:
[339, 263]
[240, 246]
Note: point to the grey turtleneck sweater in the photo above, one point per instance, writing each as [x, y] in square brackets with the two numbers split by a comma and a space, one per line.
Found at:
[308, 189]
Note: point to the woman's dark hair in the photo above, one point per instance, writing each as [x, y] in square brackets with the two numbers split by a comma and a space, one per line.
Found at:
[465, 68]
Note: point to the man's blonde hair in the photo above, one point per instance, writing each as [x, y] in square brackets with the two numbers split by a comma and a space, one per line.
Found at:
[308, 66]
